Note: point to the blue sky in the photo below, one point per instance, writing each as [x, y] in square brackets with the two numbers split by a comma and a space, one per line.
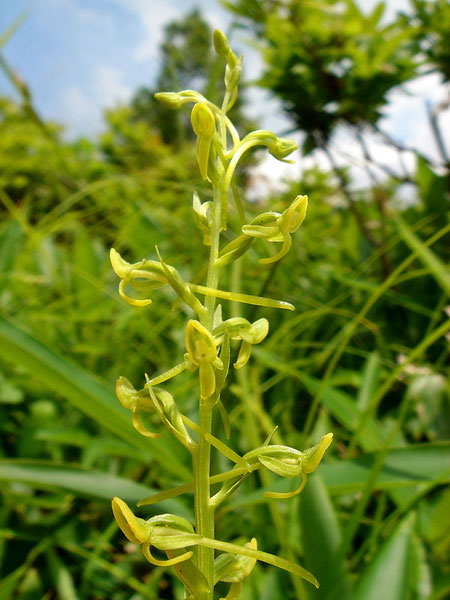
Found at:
[80, 56]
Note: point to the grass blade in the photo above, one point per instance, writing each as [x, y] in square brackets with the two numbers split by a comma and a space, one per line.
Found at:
[321, 538]
[94, 485]
[429, 258]
[83, 390]
[388, 576]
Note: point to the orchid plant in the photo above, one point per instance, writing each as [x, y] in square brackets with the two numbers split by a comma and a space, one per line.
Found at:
[190, 548]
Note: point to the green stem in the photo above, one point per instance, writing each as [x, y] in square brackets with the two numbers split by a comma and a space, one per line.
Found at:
[212, 279]
[204, 510]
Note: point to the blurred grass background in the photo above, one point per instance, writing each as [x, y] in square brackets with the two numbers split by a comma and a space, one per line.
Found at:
[365, 355]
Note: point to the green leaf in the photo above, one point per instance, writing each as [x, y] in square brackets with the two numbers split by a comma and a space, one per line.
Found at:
[60, 574]
[403, 467]
[90, 484]
[11, 30]
[321, 538]
[83, 391]
[10, 241]
[86, 272]
[344, 409]
[433, 187]
[388, 576]
[439, 270]
[340, 405]
[370, 378]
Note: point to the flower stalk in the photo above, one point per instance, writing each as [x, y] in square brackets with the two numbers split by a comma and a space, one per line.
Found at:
[190, 548]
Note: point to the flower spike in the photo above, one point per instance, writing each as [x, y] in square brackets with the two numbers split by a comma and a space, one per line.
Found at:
[208, 339]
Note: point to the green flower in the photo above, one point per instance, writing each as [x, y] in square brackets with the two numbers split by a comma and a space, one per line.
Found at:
[276, 227]
[202, 354]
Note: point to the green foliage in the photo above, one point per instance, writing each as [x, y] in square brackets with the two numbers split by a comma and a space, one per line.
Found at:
[433, 31]
[365, 352]
[328, 61]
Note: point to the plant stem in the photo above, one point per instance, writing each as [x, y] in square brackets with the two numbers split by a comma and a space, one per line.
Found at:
[204, 510]
[212, 279]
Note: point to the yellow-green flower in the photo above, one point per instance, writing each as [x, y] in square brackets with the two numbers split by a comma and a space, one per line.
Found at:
[276, 227]
[202, 353]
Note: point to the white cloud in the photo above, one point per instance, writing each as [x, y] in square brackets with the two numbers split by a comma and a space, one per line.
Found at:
[84, 115]
[83, 109]
[153, 15]
[406, 115]
[392, 7]
[109, 87]
[86, 14]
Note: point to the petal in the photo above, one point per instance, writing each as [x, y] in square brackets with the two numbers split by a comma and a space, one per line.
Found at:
[134, 529]
[164, 563]
[244, 355]
[286, 495]
[284, 250]
[313, 456]
[207, 380]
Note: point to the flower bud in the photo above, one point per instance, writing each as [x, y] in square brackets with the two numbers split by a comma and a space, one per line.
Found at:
[233, 75]
[221, 45]
[203, 121]
[169, 99]
[282, 147]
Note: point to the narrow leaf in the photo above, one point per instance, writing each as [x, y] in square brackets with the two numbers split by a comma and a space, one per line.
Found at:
[81, 389]
[388, 575]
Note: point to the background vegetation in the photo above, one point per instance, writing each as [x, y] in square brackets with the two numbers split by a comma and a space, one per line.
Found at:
[364, 355]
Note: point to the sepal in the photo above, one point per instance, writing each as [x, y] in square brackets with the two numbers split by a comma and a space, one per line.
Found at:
[249, 333]
[134, 529]
[233, 568]
[313, 456]
[169, 414]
